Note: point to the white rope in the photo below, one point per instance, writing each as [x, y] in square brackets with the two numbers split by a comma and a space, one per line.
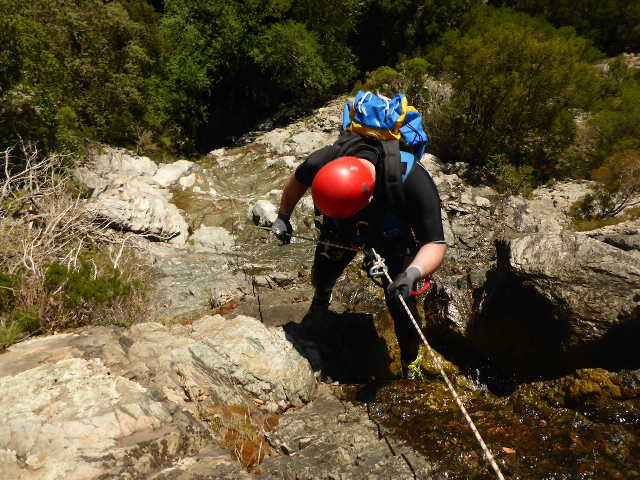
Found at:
[379, 268]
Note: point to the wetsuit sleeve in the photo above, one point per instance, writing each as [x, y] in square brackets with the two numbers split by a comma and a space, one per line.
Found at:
[423, 201]
[306, 171]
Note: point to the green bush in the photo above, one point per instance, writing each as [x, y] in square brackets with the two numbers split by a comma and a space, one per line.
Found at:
[74, 70]
[613, 25]
[9, 287]
[407, 77]
[390, 31]
[617, 189]
[517, 83]
[616, 125]
[83, 287]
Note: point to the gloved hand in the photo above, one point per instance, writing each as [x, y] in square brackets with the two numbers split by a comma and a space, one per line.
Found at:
[405, 283]
[282, 228]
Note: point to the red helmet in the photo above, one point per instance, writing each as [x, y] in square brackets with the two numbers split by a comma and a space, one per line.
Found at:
[342, 187]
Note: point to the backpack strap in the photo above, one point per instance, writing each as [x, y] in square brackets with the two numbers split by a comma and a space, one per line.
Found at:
[393, 178]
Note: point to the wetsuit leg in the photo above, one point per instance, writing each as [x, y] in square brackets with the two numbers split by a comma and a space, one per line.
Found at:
[328, 265]
[408, 337]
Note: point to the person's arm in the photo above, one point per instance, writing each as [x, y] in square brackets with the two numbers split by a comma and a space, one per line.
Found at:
[291, 195]
[429, 258]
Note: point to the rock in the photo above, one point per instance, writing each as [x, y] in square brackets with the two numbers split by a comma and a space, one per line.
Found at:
[264, 213]
[304, 143]
[625, 236]
[214, 238]
[169, 174]
[124, 162]
[115, 402]
[134, 205]
[547, 210]
[288, 161]
[73, 418]
[188, 181]
[333, 439]
[250, 359]
[572, 298]
[189, 283]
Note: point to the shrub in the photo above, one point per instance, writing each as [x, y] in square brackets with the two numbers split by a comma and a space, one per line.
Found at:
[9, 286]
[60, 267]
[516, 86]
[616, 124]
[619, 182]
[611, 24]
[617, 189]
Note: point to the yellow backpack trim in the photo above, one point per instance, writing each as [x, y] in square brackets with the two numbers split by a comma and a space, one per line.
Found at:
[383, 134]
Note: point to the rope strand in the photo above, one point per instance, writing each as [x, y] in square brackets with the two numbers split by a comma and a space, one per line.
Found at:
[380, 266]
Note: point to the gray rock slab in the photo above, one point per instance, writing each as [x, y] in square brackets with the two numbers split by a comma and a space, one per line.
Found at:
[189, 283]
[334, 439]
[74, 419]
[116, 402]
[213, 238]
[252, 359]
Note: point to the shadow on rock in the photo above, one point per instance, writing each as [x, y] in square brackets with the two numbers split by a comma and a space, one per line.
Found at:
[343, 347]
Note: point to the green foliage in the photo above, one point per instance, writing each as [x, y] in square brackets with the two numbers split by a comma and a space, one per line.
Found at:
[73, 70]
[9, 286]
[392, 30]
[407, 77]
[233, 61]
[289, 54]
[618, 186]
[507, 178]
[616, 124]
[613, 25]
[517, 84]
[82, 287]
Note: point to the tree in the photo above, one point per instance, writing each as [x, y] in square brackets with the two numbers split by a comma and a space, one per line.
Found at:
[616, 124]
[613, 25]
[235, 61]
[516, 86]
[76, 69]
[390, 31]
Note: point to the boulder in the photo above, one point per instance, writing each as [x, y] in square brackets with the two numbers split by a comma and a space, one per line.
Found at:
[558, 301]
[170, 173]
[625, 235]
[214, 238]
[132, 204]
[124, 162]
[249, 359]
[114, 402]
[74, 418]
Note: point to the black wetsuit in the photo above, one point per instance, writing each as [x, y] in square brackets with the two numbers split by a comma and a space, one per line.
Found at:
[396, 236]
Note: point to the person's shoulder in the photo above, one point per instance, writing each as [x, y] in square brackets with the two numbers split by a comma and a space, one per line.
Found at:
[419, 175]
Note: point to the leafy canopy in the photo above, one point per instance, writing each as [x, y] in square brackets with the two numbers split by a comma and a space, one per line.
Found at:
[517, 84]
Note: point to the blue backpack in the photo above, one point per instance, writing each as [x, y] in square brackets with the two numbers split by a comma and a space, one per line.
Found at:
[392, 124]
[386, 119]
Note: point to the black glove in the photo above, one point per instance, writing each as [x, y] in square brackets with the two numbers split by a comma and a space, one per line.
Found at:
[405, 283]
[282, 228]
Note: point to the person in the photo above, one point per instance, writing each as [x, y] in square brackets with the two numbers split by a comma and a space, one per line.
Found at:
[349, 194]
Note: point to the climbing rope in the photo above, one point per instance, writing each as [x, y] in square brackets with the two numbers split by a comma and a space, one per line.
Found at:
[379, 268]
[315, 240]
